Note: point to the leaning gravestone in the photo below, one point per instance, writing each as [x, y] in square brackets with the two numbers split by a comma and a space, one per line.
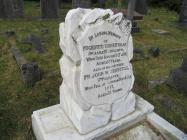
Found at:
[183, 14]
[81, 3]
[49, 8]
[96, 100]
[11, 8]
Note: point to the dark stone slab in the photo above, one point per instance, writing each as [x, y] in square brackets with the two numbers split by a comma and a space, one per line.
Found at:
[183, 14]
[178, 79]
[49, 8]
[36, 42]
[11, 9]
[184, 65]
[29, 71]
[141, 6]
[81, 3]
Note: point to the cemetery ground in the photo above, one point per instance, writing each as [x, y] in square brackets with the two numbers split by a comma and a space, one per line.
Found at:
[17, 101]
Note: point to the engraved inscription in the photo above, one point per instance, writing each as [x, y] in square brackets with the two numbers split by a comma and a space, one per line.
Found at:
[106, 71]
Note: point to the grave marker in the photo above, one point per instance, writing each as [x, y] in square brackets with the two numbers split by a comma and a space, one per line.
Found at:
[49, 8]
[96, 100]
[29, 71]
[11, 9]
[141, 6]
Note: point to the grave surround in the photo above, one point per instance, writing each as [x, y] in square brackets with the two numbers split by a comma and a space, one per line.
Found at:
[95, 97]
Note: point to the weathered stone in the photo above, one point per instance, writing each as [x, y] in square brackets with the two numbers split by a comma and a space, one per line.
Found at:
[96, 100]
[36, 42]
[81, 3]
[11, 9]
[49, 8]
[29, 70]
[141, 6]
[183, 14]
[178, 79]
[97, 47]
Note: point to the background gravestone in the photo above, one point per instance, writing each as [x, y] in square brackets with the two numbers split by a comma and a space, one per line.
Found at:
[183, 14]
[2, 11]
[131, 9]
[178, 77]
[11, 9]
[81, 3]
[49, 8]
[141, 6]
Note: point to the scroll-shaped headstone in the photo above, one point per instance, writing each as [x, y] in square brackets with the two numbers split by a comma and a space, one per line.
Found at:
[81, 3]
[11, 9]
[97, 73]
[49, 8]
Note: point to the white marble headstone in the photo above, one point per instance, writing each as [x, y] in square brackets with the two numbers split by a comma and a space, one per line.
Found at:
[97, 73]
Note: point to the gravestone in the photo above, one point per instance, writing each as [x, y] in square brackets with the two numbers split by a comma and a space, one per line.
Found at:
[141, 7]
[101, 60]
[11, 9]
[96, 100]
[131, 9]
[2, 10]
[81, 3]
[49, 8]
[178, 77]
[183, 14]
[35, 41]
[29, 70]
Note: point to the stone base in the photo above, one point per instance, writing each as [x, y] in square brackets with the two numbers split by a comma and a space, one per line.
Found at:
[53, 124]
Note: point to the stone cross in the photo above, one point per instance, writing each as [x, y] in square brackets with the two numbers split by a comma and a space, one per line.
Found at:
[49, 8]
[96, 69]
[11, 9]
[81, 3]
[183, 14]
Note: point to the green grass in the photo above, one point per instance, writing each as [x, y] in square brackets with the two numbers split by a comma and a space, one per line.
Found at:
[17, 102]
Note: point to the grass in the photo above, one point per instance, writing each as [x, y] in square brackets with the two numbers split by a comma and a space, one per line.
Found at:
[17, 102]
